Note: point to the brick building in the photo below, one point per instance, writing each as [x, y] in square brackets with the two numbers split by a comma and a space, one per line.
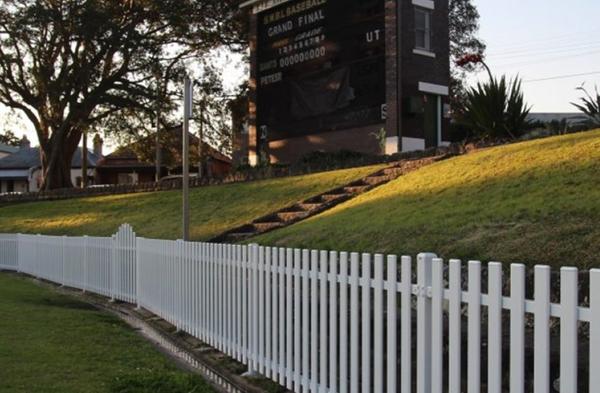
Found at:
[361, 75]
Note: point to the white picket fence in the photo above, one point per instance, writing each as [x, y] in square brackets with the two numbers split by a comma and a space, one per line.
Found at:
[318, 321]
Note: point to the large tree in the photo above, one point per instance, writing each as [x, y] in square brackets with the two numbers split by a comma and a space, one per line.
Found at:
[70, 65]
[464, 40]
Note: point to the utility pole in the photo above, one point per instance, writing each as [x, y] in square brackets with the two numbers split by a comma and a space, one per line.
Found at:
[201, 145]
[158, 116]
[187, 115]
[84, 161]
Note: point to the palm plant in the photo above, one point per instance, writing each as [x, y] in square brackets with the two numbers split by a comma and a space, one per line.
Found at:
[496, 109]
[590, 106]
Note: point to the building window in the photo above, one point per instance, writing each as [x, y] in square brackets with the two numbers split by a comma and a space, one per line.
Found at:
[423, 29]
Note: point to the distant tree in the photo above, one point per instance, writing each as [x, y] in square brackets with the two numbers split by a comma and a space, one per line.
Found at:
[9, 138]
[464, 39]
[72, 64]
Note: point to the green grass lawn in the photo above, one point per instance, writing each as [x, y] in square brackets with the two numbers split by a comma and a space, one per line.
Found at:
[54, 343]
[533, 202]
[158, 215]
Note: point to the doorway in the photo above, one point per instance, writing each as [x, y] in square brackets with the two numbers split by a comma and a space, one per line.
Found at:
[432, 125]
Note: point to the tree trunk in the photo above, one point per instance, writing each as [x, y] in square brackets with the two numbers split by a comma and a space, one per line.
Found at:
[56, 165]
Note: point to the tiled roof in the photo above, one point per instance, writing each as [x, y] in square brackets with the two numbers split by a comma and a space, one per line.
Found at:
[7, 149]
[126, 156]
[26, 158]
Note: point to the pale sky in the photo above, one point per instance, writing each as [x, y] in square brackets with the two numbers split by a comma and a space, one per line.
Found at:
[540, 39]
[536, 39]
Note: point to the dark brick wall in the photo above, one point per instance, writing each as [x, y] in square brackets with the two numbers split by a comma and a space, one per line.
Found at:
[391, 72]
[418, 68]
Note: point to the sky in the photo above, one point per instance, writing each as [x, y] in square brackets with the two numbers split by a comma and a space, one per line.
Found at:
[542, 39]
[548, 43]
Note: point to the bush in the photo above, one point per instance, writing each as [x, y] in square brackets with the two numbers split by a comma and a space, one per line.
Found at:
[496, 109]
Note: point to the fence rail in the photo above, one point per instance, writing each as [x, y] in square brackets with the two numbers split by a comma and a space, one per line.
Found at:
[317, 321]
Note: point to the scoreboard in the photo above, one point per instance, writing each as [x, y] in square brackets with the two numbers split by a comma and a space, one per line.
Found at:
[320, 67]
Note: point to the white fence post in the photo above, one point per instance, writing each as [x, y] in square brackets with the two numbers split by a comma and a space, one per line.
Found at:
[64, 258]
[18, 245]
[85, 263]
[113, 270]
[138, 270]
[253, 314]
[424, 276]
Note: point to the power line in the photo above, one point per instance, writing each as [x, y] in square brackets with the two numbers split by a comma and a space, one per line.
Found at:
[543, 51]
[550, 39]
[549, 59]
[562, 77]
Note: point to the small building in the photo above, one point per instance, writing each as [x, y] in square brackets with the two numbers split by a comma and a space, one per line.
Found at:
[369, 76]
[21, 171]
[136, 163]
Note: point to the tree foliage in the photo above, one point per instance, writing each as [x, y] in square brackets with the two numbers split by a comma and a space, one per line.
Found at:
[9, 138]
[464, 29]
[70, 65]
[496, 109]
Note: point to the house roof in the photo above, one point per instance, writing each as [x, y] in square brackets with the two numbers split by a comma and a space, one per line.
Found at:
[7, 149]
[128, 156]
[29, 157]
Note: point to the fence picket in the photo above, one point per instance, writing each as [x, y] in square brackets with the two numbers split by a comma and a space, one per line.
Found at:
[378, 325]
[474, 322]
[298, 331]
[406, 366]
[424, 323]
[343, 343]
[272, 336]
[314, 322]
[542, 332]
[354, 327]
[323, 306]
[366, 323]
[333, 321]
[517, 329]
[454, 327]
[289, 318]
[392, 293]
[437, 322]
[569, 290]
[494, 328]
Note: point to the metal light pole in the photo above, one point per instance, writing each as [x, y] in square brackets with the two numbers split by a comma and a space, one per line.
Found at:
[84, 161]
[187, 115]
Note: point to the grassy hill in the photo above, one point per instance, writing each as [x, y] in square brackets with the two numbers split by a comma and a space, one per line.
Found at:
[56, 343]
[158, 215]
[532, 202]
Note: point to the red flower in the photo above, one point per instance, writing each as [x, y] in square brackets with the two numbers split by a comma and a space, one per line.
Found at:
[474, 58]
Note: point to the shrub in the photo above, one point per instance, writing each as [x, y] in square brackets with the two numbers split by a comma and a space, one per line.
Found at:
[496, 109]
